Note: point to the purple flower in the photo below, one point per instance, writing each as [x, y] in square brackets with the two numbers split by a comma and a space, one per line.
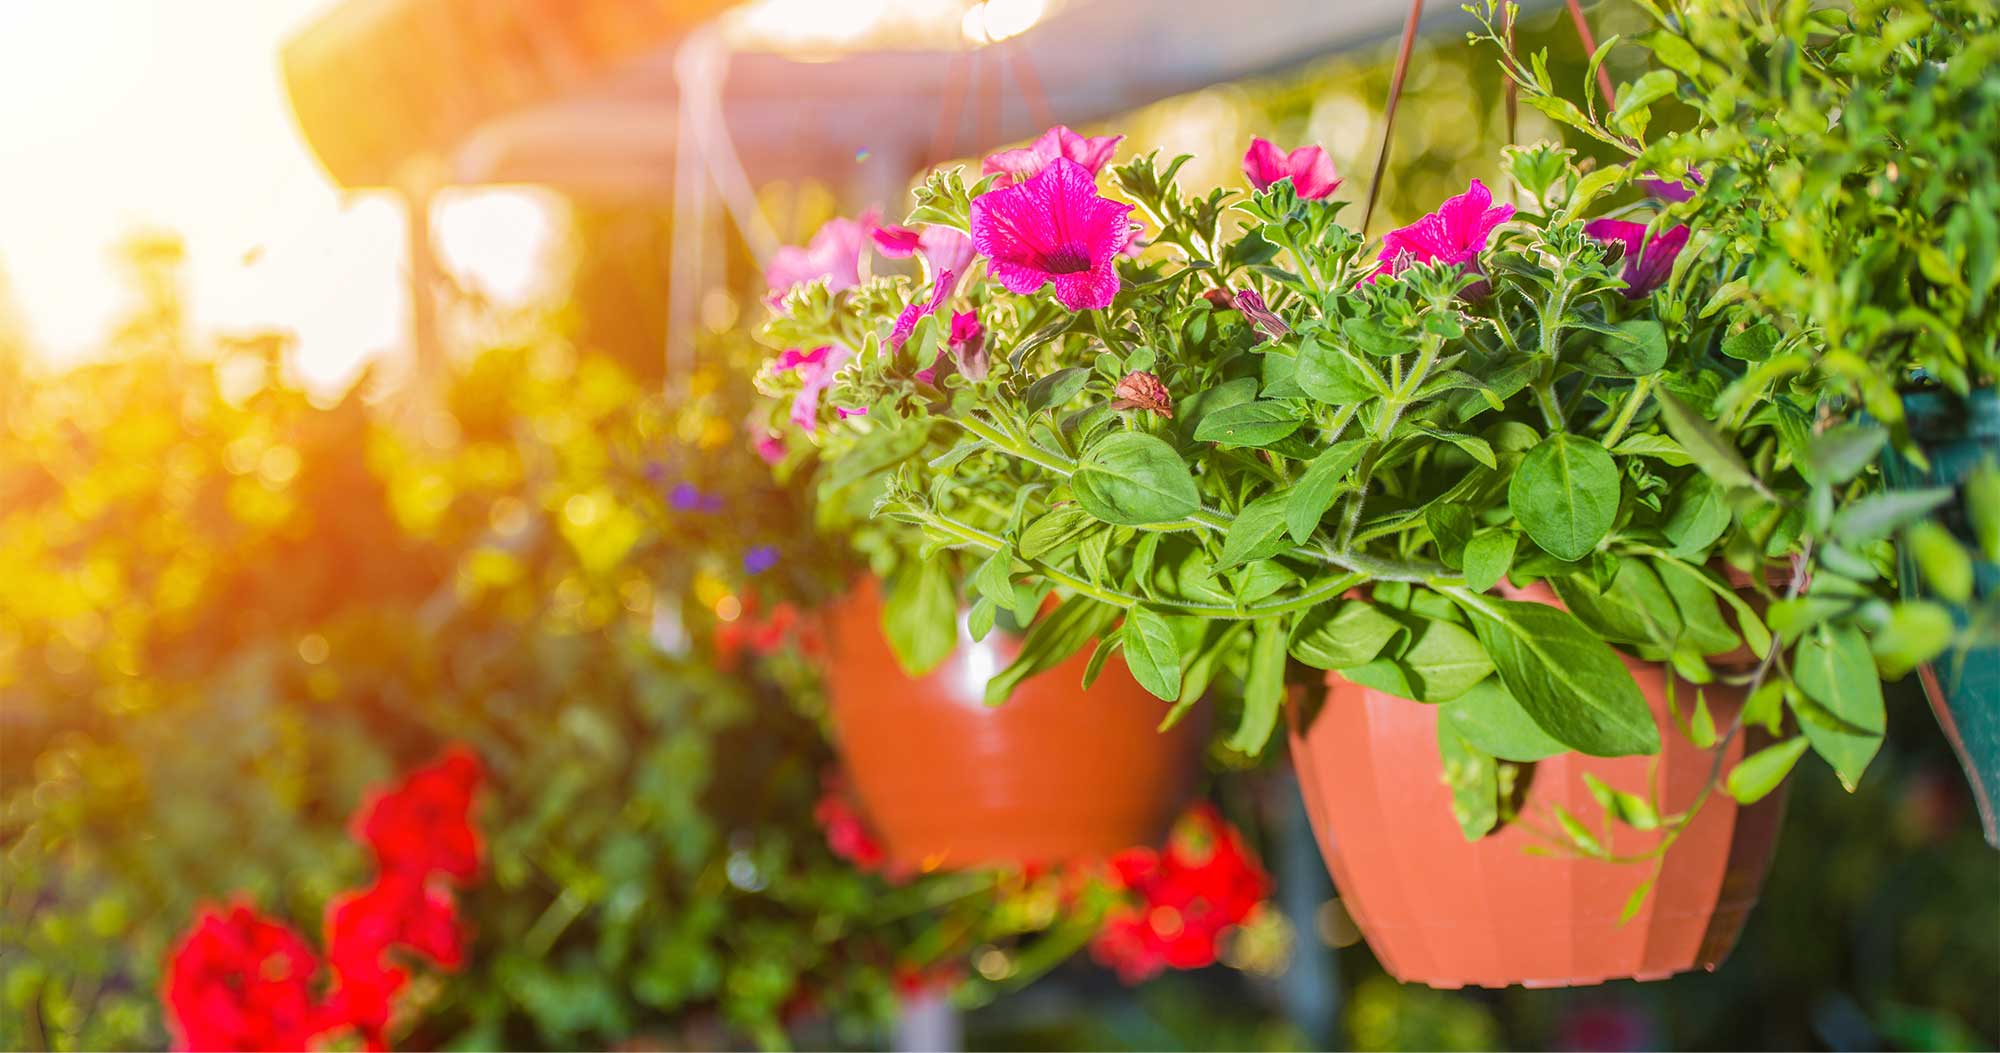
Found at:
[760, 559]
[834, 254]
[1308, 167]
[1456, 233]
[1260, 316]
[1054, 228]
[686, 497]
[816, 369]
[1019, 165]
[1648, 264]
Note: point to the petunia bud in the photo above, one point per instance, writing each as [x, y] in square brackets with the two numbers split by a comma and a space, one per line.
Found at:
[1252, 306]
[1143, 390]
[1220, 299]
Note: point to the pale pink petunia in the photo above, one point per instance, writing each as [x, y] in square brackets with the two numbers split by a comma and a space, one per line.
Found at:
[943, 248]
[1455, 234]
[816, 369]
[1024, 163]
[1308, 167]
[834, 253]
[1647, 263]
[1054, 228]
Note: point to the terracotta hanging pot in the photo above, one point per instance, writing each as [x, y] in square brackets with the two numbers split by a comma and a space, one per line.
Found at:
[1055, 773]
[1443, 911]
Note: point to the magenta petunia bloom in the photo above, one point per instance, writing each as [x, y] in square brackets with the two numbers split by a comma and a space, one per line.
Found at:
[1024, 163]
[906, 322]
[1456, 233]
[1308, 167]
[967, 345]
[816, 369]
[834, 254]
[1647, 263]
[1054, 228]
[1675, 192]
[943, 248]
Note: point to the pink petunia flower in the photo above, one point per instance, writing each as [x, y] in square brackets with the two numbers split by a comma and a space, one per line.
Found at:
[1024, 163]
[834, 254]
[1308, 167]
[1647, 263]
[771, 447]
[906, 322]
[967, 345]
[943, 248]
[1455, 234]
[1666, 191]
[1054, 228]
[816, 369]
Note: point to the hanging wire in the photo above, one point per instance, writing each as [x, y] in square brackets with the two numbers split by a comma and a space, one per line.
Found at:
[1389, 113]
[1590, 48]
[1507, 12]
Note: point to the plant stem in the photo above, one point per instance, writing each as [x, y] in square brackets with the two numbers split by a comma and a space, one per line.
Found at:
[1630, 409]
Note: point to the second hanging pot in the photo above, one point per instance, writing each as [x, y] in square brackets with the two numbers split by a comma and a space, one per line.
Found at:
[1056, 773]
[1511, 908]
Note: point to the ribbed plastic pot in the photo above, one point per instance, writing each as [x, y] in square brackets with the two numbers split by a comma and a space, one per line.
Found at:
[1056, 773]
[1443, 911]
[1955, 435]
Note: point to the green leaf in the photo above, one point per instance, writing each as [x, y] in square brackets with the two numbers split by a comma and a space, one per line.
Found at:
[1635, 608]
[1755, 776]
[1568, 680]
[1056, 528]
[1628, 808]
[1833, 668]
[1050, 641]
[1487, 716]
[1329, 375]
[1636, 348]
[1916, 632]
[1658, 447]
[1579, 835]
[920, 615]
[995, 578]
[1710, 448]
[1263, 688]
[1565, 495]
[1946, 566]
[1315, 490]
[1840, 453]
[1878, 515]
[1444, 661]
[1702, 625]
[1152, 652]
[1474, 780]
[1451, 525]
[1056, 389]
[1698, 518]
[1249, 424]
[1343, 635]
[1134, 479]
[1701, 723]
[1754, 344]
[1636, 98]
[1258, 531]
[1487, 559]
[1372, 336]
[1477, 448]
[1982, 507]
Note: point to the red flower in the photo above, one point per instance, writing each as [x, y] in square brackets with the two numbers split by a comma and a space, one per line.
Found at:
[847, 833]
[764, 635]
[396, 912]
[1184, 898]
[240, 981]
[423, 825]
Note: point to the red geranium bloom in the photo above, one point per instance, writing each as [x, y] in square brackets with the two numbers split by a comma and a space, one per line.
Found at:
[1456, 233]
[847, 833]
[1024, 163]
[423, 825]
[1184, 898]
[1648, 264]
[1308, 167]
[397, 912]
[240, 981]
[1054, 228]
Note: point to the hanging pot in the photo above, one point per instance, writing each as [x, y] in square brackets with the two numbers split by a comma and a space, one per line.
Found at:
[1956, 435]
[1508, 908]
[1056, 773]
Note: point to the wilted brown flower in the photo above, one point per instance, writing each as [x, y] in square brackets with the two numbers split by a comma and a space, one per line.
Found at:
[1143, 390]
